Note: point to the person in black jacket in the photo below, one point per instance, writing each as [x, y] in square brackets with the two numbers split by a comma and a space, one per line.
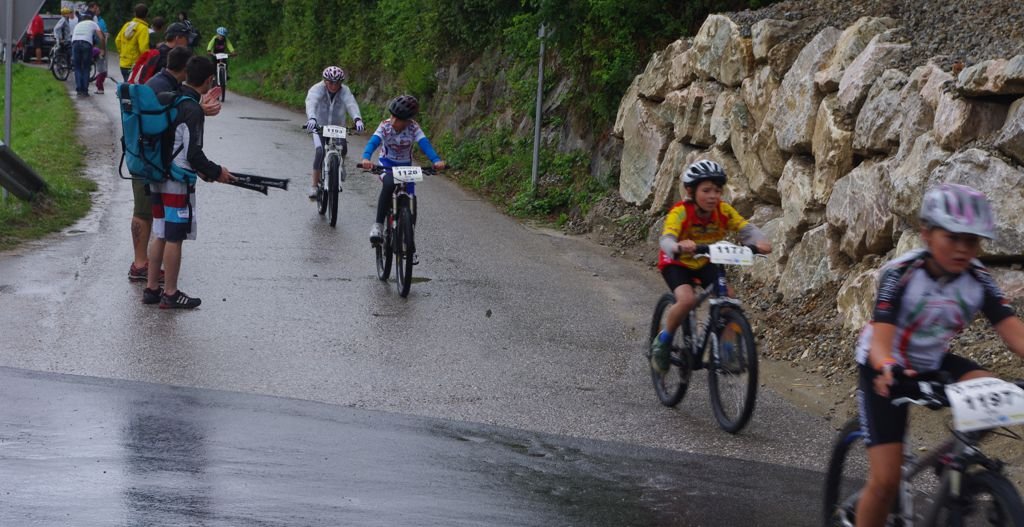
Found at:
[174, 210]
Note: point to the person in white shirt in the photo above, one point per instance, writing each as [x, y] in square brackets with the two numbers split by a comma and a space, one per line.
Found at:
[84, 37]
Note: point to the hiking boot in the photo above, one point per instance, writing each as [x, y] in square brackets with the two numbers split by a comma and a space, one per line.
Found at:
[152, 296]
[312, 192]
[178, 301]
[376, 237]
[660, 356]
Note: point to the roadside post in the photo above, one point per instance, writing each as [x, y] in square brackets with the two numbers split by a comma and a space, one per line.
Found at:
[16, 14]
[540, 102]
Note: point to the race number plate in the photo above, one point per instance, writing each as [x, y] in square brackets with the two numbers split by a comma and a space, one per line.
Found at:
[730, 254]
[335, 132]
[980, 404]
[407, 174]
[221, 56]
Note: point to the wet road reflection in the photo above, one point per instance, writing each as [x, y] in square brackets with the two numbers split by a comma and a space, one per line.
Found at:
[88, 451]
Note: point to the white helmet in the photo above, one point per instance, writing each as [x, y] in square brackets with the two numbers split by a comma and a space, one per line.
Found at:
[959, 209]
[704, 170]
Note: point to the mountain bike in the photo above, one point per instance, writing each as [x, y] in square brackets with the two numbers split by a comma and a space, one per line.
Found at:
[60, 62]
[964, 486]
[221, 79]
[399, 242]
[720, 341]
[332, 170]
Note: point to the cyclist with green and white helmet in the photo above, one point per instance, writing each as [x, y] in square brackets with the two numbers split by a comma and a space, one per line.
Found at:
[220, 43]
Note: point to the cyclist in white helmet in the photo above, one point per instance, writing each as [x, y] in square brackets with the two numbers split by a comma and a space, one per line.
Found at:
[925, 298]
[702, 218]
[327, 103]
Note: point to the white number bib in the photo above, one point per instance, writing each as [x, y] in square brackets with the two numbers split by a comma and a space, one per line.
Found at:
[335, 132]
[730, 254]
[407, 174]
[980, 404]
[221, 56]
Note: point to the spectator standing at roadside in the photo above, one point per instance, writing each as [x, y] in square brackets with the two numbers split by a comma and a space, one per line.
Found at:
[156, 26]
[101, 62]
[35, 37]
[66, 24]
[86, 35]
[175, 41]
[133, 40]
[174, 208]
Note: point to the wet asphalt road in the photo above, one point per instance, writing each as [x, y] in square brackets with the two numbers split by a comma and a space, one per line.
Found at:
[141, 454]
[507, 325]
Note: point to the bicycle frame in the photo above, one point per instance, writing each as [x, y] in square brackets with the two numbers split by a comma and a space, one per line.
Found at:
[717, 297]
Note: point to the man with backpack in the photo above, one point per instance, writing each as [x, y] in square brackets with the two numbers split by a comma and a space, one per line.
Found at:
[174, 208]
[133, 40]
[142, 219]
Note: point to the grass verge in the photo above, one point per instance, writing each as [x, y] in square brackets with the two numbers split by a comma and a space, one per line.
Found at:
[43, 126]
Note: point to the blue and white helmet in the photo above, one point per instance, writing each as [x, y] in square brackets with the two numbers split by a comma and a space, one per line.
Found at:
[704, 170]
[222, 31]
[958, 208]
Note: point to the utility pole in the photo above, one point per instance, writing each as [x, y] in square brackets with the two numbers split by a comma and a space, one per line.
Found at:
[540, 104]
[8, 59]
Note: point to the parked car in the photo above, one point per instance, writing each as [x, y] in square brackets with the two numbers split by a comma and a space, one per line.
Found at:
[49, 22]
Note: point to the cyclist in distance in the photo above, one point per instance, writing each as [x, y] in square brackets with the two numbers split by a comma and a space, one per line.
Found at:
[396, 136]
[220, 43]
[327, 103]
[925, 298]
[702, 218]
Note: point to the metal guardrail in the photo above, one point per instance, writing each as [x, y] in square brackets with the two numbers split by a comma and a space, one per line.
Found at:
[17, 177]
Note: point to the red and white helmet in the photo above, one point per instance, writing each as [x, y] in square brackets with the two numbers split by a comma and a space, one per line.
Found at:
[959, 209]
[334, 74]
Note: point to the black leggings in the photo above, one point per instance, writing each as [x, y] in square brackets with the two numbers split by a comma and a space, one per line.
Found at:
[386, 191]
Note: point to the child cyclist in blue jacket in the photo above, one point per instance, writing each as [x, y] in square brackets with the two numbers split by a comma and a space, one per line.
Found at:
[396, 136]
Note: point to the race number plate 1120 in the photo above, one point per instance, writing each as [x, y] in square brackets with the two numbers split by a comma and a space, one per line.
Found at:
[407, 174]
[980, 404]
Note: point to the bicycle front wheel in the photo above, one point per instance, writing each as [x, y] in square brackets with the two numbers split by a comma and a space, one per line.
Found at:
[333, 189]
[671, 385]
[222, 81]
[986, 498]
[404, 249]
[60, 67]
[732, 377]
[846, 476]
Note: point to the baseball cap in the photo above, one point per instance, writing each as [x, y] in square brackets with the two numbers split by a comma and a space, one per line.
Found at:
[177, 29]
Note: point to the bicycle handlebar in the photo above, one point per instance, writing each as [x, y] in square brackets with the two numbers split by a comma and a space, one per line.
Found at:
[320, 128]
[380, 169]
[929, 392]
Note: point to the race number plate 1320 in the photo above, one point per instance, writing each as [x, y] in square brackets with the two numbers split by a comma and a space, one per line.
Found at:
[980, 404]
[407, 174]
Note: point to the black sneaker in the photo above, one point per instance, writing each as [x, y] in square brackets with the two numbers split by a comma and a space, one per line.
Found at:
[178, 301]
[152, 296]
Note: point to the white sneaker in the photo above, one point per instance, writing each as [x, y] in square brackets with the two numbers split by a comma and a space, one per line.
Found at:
[375, 234]
[312, 193]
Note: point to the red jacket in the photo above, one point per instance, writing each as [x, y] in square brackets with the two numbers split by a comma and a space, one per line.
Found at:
[36, 26]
